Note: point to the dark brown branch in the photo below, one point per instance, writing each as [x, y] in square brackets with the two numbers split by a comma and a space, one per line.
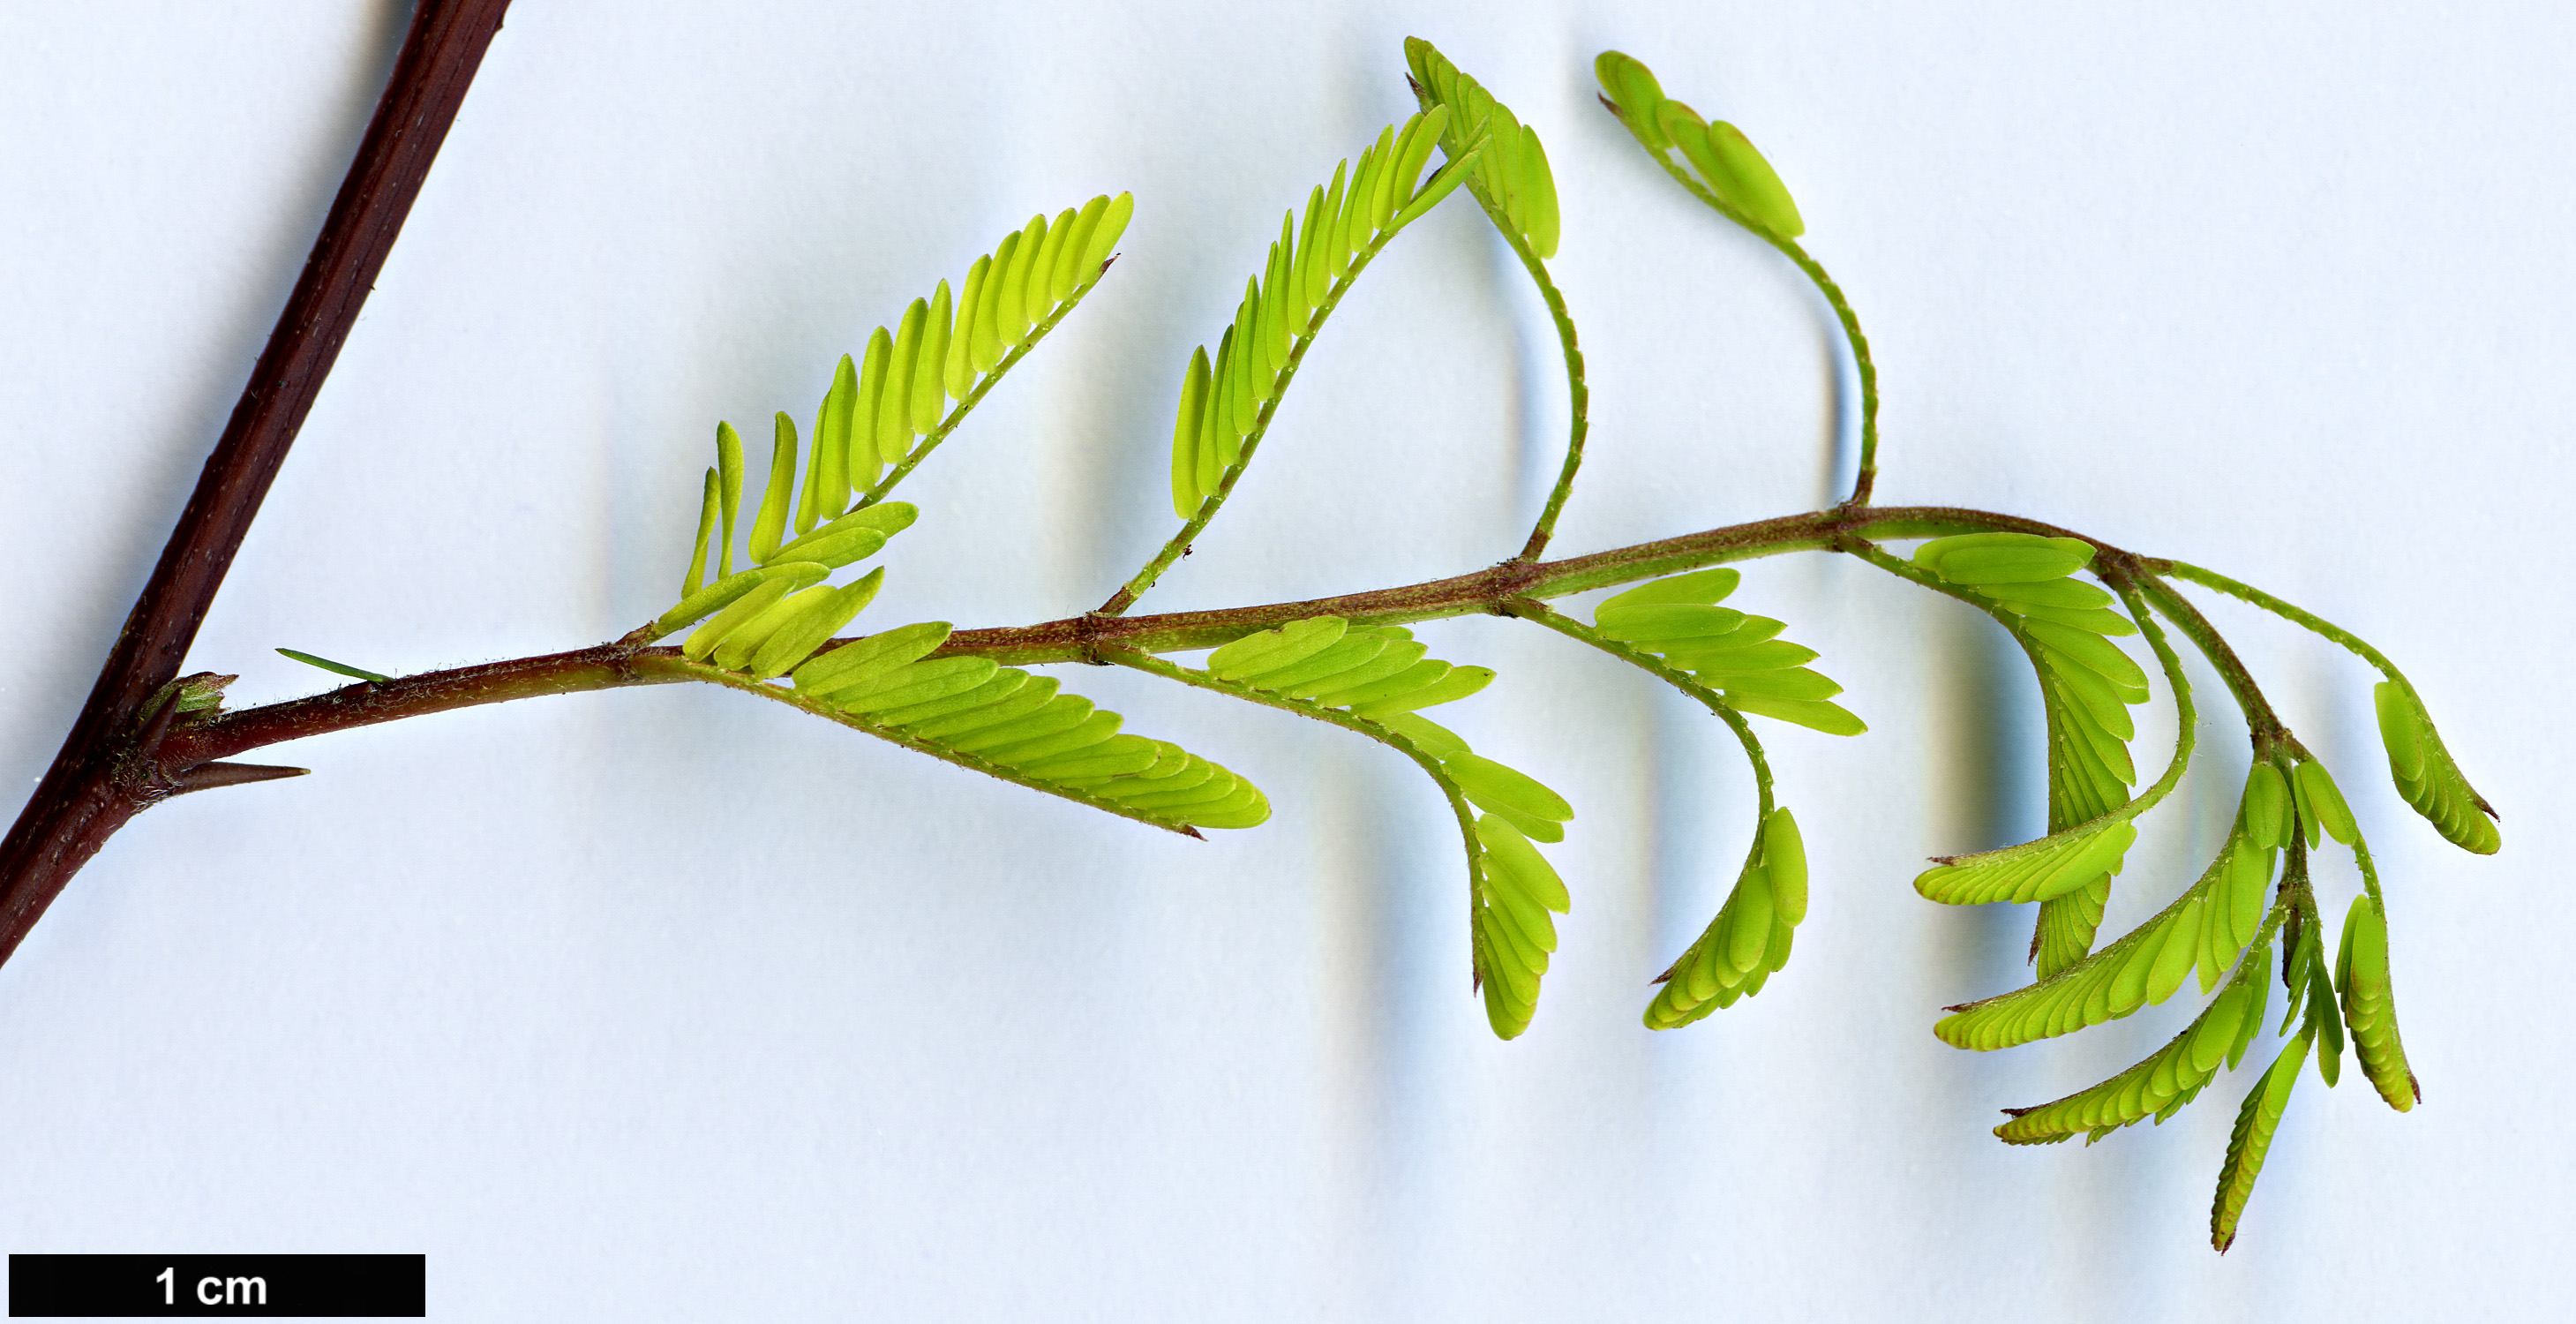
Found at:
[107, 771]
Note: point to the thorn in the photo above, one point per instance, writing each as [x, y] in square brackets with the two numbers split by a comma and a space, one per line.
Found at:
[1192, 833]
[208, 776]
[1607, 104]
[1110, 261]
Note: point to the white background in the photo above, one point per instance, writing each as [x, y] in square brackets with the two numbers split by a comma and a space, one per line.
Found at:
[669, 1004]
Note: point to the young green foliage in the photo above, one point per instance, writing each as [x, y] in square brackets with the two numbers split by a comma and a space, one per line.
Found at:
[2168, 1079]
[1749, 940]
[1380, 678]
[1735, 176]
[922, 687]
[1005, 722]
[2206, 929]
[2086, 686]
[2426, 776]
[1739, 656]
[1512, 179]
[1227, 399]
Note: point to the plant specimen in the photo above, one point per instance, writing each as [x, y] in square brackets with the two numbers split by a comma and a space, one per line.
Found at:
[769, 588]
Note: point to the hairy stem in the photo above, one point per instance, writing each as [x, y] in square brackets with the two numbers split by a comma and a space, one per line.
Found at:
[1824, 283]
[2318, 624]
[1090, 638]
[2262, 724]
[1867, 478]
[1578, 395]
[106, 773]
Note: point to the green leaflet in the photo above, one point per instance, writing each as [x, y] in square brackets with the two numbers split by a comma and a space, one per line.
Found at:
[1750, 938]
[2215, 915]
[839, 461]
[854, 663]
[2426, 776]
[2320, 804]
[796, 638]
[1249, 657]
[1697, 587]
[1510, 794]
[2370, 1008]
[1186, 429]
[722, 593]
[1744, 178]
[707, 513]
[1511, 178]
[308, 659]
[1224, 395]
[840, 542]
[1634, 95]
[769, 524]
[1676, 620]
[2251, 1140]
[1979, 559]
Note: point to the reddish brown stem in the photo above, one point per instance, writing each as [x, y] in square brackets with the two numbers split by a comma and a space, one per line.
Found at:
[1082, 638]
[108, 770]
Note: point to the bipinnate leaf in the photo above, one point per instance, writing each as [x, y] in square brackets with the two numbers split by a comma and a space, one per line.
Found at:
[2426, 776]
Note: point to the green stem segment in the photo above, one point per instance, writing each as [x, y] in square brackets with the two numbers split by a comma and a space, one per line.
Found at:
[1578, 395]
[2262, 724]
[2318, 624]
[1824, 283]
